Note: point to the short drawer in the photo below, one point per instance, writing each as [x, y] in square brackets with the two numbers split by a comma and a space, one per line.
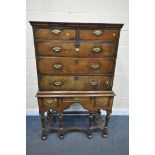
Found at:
[55, 49]
[57, 83]
[102, 102]
[60, 66]
[75, 83]
[93, 83]
[54, 34]
[97, 50]
[50, 102]
[75, 99]
[99, 34]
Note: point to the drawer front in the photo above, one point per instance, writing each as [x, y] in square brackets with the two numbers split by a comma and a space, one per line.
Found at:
[59, 66]
[97, 50]
[96, 83]
[55, 49]
[106, 34]
[50, 102]
[102, 102]
[75, 99]
[54, 34]
[56, 83]
[75, 83]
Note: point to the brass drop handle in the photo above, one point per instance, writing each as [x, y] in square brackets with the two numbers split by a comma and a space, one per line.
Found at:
[95, 66]
[56, 49]
[57, 66]
[56, 31]
[93, 83]
[51, 100]
[77, 98]
[97, 32]
[96, 50]
[57, 83]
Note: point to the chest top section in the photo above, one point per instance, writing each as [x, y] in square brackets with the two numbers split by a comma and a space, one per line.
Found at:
[76, 31]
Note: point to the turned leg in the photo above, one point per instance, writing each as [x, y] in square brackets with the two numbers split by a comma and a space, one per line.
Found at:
[49, 118]
[90, 126]
[105, 130]
[48, 114]
[99, 117]
[44, 133]
[61, 131]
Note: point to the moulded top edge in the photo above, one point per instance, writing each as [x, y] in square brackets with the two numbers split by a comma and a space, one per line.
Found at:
[69, 24]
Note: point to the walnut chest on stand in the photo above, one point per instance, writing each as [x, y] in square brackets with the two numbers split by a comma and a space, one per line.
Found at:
[75, 64]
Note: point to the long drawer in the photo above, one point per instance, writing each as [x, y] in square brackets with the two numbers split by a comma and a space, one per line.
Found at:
[75, 83]
[59, 66]
[89, 49]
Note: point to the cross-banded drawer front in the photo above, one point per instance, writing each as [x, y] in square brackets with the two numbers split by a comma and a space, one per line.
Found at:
[102, 102]
[54, 34]
[97, 50]
[99, 34]
[75, 99]
[57, 83]
[95, 83]
[59, 66]
[50, 102]
[57, 49]
[73, 83]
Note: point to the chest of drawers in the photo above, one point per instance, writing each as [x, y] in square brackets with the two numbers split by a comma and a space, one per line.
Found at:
[75, 64]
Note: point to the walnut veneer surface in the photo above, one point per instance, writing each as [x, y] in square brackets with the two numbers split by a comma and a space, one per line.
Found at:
[75, 64]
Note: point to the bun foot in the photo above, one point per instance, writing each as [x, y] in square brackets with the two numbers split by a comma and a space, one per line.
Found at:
[104, 135]
[61, 136]
[44, 134]
[89, 136]
[44, 137]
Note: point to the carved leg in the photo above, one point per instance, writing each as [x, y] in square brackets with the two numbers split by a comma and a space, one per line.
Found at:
[90, 125]
[105, 130]
[61, 131]
[44, 133]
